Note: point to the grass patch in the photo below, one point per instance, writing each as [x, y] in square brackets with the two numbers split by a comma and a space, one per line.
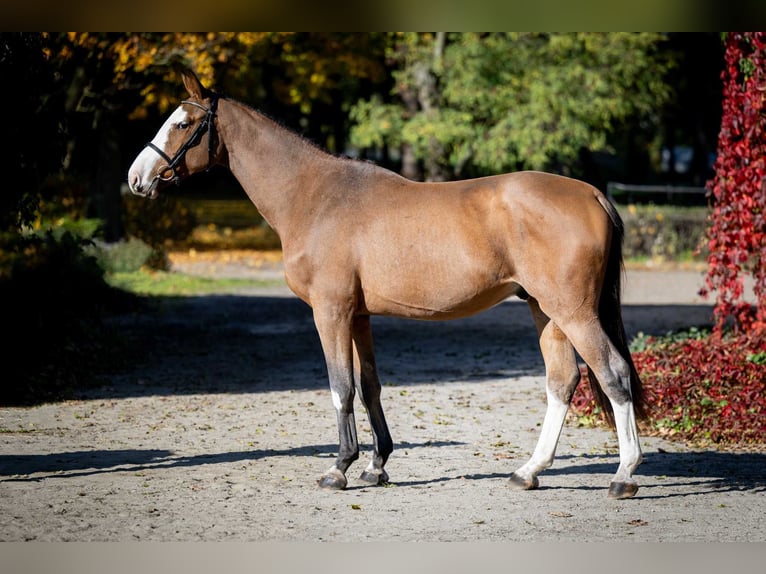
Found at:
[162, 283]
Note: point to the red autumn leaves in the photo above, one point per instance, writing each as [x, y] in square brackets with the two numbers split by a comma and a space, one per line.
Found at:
[737, 229]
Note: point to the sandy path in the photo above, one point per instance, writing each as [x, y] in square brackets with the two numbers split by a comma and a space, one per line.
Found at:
[220, 433]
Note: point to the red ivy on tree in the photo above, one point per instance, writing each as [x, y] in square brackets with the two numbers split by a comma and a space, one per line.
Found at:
[737, 230]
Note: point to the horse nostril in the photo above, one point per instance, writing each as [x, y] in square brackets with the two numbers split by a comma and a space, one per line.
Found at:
[134, 182]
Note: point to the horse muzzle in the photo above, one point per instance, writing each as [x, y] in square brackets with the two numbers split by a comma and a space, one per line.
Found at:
[138, 187]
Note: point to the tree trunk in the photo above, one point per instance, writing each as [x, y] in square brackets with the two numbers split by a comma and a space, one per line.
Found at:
[106, 198]
[426, 81]
[410, 166]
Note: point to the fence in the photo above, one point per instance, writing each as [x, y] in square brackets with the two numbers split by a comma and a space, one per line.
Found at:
[670, 193]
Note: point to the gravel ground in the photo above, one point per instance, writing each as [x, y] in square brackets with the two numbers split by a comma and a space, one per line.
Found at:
[221, 430]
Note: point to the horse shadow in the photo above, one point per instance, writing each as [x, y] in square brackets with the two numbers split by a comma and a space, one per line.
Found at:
[70, 464]
[675, 474]
[696, 472]
[256, 343]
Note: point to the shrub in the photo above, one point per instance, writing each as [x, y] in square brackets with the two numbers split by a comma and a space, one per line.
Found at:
[122, 256]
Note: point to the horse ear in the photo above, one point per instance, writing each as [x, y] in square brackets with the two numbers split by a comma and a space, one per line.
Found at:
[193, 85]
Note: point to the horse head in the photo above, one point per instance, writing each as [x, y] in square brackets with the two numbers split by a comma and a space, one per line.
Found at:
[186, 143]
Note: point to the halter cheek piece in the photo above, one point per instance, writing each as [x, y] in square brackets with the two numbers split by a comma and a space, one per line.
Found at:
[194, 139]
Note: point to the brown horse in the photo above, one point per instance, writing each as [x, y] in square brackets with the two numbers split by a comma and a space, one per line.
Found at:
[359, 240]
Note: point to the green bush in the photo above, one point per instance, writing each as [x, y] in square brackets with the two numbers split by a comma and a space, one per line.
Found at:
[121, 257]
[82, 227]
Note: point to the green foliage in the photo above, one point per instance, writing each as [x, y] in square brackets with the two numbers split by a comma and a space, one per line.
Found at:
[84, 228]
[504, 101]
[376, 124]
[122, 256]
[643, 342]
[236, 213]
[63, 212]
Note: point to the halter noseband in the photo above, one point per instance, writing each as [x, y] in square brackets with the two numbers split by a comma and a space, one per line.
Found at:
[193, 140]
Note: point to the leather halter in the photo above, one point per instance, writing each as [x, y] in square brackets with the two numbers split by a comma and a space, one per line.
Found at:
[193, 140]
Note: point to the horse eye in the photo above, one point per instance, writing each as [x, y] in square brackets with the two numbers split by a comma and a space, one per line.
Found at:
[183, 125]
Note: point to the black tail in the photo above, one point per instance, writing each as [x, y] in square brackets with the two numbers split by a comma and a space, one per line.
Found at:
[610, 313]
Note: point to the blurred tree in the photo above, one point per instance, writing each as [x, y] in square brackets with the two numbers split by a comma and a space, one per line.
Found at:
[485, 103]
[108, 84]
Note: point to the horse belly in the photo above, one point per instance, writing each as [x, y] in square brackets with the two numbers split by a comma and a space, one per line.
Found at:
[432, 287]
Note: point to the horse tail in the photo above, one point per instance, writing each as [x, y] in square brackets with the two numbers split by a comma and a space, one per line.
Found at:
[610, 314]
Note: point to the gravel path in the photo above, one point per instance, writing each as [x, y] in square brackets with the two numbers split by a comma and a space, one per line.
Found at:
[221, 430]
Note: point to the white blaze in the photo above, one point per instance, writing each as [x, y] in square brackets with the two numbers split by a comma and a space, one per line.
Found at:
[141, 173]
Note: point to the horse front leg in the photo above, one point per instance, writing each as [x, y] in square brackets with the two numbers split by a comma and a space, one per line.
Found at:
[368, 386]
[562, 376]
[334, 328]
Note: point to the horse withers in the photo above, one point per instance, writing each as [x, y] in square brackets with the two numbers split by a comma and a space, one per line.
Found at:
[359, 240]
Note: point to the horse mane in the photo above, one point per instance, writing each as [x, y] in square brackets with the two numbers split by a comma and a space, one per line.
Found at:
[279, 125]
[314, 146]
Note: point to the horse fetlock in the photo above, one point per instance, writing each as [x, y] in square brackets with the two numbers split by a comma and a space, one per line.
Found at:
[333, 479]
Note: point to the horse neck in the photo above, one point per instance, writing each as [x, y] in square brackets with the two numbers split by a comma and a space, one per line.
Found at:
[274, 166]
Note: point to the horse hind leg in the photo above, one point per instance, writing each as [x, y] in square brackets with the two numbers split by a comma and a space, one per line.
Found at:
[614, 377]
[562, 376]
[368, 386]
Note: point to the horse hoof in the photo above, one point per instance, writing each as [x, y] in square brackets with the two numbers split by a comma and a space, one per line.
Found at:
[373, 478]
[333, 480]
[620, 490]
[522, 483]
